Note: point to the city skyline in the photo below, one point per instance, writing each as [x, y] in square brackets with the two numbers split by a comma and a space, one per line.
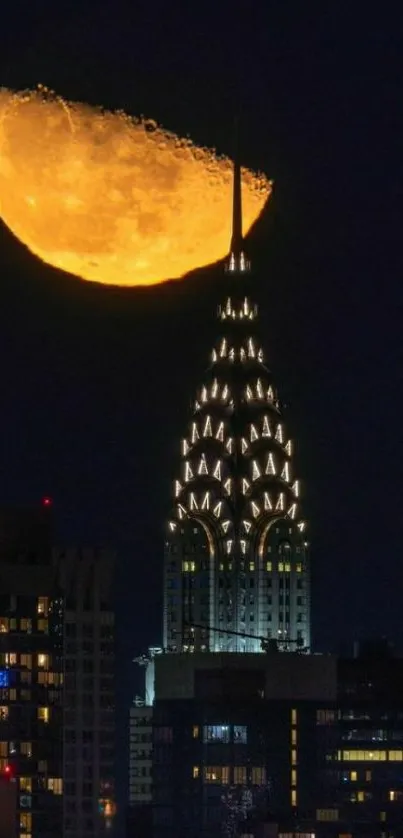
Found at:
[96, 382]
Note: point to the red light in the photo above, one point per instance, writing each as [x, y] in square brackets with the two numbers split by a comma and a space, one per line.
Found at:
[8, 771]
[46, 501]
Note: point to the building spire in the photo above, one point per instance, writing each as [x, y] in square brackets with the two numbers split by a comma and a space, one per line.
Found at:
[237, 261]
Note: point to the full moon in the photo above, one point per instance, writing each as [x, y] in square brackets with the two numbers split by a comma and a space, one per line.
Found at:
[112, 198]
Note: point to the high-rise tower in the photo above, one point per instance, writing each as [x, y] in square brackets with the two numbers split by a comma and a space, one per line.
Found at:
[236, 567]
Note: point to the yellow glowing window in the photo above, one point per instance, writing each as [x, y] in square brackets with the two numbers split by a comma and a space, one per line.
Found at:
[196, 772]
[26, 749]
[269, 566]
[43, 714]
[396, 756]
[26, 820]
[293, 737]
[42, 677]
[363, 756]
[281, 567]
[3, 713]
[55, 784]
[11, 658]
[43, 660]
[294, 717]
[4, 625]
[360, 796]
[3, 763]
[287, 567]
[189, 567]
[217, 774]
[196, 731]
[293, 757]
[25, 783]
[13, 624]
[353, 776]
[43, 606]
[26, 624]
[251, 565]
[26, 660]
[43, 625]
[382, 816]
[392, 795]
[3, 749]
[293, 777]
[298, 567]
[293, 797]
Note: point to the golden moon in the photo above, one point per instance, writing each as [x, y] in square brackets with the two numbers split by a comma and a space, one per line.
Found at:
[111, 198]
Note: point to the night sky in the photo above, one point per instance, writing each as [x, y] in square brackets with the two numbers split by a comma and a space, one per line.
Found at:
[96, 382]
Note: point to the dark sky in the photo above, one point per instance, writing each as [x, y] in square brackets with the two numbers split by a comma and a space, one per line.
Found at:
[96, 382]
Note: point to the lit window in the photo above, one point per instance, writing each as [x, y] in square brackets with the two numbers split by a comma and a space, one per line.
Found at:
[26, 821]
[4, 625]
[327, 815]
[240, 734]
[216, 733]
[258, 775]
[43, 661]
[12, 695]
[293, 777]
[368, 776]
[55, 784]
[26, 749]
[396, 756]
[269, 567]
[298, 567]
[240, 775]
[11, 659]
[196, 772]
[196, 731]
[3, 749]
[26, 660]
[293, 757]
[353, 776]
[43, 625]
[293, 717]
[188, 567]
[293, 797]
[293, 736]
[26, 624]
[251, 565]
[43, 714]
[217, 774]
[25, 783]
[3, 713]
[43, 606]
[363, 756]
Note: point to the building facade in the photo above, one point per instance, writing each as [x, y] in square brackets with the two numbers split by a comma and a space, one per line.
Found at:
[85, 576]
[286, 745]
[31, 674]
[236, 568]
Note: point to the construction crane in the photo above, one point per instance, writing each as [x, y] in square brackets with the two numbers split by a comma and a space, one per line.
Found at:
[267, 644]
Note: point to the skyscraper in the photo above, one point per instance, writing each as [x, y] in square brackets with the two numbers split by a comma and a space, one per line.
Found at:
[236, 569]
